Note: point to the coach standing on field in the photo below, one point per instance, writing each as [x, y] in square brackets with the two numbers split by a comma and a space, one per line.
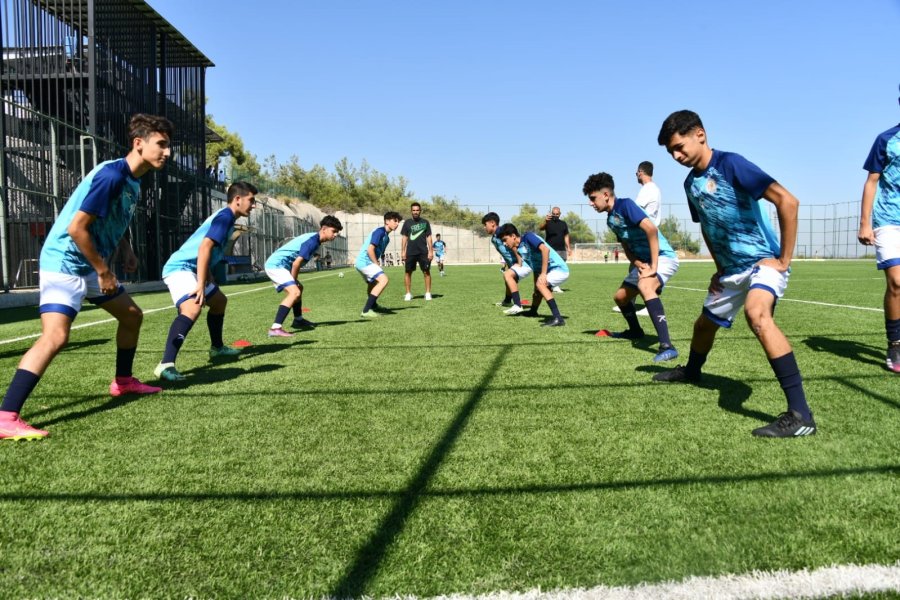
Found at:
[556, 232]
[416, 249]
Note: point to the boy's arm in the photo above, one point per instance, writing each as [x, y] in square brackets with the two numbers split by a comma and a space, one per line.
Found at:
[649, 270]
[866, 235]
[295, 267]
[545, 261]
[371, 251]
[203, 256]
[787, 207]
[78, 231]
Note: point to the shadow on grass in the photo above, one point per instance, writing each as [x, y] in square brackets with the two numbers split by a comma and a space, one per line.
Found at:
[71, 346]
[479, 492]
[844, 348]
[892, 402]
[732, 392]
[368, 559]
[203, 375]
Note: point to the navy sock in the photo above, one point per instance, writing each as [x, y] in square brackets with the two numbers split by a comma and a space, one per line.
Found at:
[216, 324]
[630, 315]
[282, 314]
[370, 303]
[658, 314]
[298, 308]
[125, 361]
[19, 389]
[695, 362]
[553, 309]
[788, 374]
[516, 299]
[892, 327]
[177, 332]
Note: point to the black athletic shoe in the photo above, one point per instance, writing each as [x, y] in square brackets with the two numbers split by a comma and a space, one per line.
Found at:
[528, 313]
[302, 324]
[677, 375]
[554, 322]
[788, 424]
[628, 334]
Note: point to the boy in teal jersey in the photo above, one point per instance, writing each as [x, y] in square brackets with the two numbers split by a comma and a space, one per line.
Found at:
[514, 268]
[284, 266]
[550, 270]
[724, 191]
[368, 262]
[188, 277]
[653, 261]
[74, 266]
[879, 225]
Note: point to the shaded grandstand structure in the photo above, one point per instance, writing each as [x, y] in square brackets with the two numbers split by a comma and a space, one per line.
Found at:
[72, 73]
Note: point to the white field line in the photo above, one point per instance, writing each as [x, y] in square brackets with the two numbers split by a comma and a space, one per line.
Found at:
[675, 287]
[146, 312]
[825, 582]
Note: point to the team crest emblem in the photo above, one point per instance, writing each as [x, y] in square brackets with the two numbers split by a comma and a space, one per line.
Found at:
[711, 185]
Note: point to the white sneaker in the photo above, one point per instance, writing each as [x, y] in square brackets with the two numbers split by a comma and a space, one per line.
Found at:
[407, 297]
[641, 313]
[514, 310]
[428, 295]
[557, 290]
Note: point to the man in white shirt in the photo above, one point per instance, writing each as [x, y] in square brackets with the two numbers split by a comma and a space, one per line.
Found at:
[649, 197]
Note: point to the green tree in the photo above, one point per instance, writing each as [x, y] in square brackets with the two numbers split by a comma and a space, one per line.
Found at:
[579, 231]
[528, 218]
[233, 145]
[678, 237]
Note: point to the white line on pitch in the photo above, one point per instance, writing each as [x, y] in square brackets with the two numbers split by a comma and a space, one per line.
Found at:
[146, 312]
[826, 582]
[675, 287]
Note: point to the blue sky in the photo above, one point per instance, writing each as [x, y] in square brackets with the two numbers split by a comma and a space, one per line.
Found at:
[497, 103]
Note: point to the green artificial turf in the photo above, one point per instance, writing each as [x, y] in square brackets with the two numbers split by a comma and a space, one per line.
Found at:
[447, 448]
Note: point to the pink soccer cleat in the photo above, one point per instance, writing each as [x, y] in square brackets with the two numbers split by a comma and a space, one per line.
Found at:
[131, 385]
[279, 332]
[14, 428]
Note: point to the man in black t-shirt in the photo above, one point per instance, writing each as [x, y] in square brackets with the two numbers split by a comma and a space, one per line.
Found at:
[416, 249]
[556, 233]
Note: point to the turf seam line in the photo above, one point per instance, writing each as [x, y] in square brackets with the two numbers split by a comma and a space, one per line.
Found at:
[675, 287]
[149, 311]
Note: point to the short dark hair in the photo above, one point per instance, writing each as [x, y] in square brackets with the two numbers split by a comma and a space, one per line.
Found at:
[415, 204]
[647, 167]
[330, 221]
[681, 122]
[491, 216]
[437, 235]
[241, 188]
[506, 230]
[392, 215]
[143, 126]
[597, 182]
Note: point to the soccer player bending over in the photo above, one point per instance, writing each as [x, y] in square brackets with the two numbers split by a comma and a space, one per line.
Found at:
[187, 275]
[723, 191]
[73, 266]
[515, 269]
[284, 266]
[879, 224]
[653, 261]
[550, 270]
[368, 262]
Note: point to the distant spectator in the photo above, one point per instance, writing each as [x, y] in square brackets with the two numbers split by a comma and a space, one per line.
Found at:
[649, 197]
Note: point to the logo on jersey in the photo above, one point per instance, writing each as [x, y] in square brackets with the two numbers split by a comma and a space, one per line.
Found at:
[711, 185]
